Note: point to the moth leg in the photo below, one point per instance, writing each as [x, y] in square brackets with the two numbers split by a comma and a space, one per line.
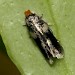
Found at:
[41, 16]
[25, 25]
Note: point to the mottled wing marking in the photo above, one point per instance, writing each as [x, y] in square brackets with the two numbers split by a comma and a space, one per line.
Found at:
[43, 36]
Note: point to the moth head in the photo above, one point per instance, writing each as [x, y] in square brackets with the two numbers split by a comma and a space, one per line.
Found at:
[27, 13]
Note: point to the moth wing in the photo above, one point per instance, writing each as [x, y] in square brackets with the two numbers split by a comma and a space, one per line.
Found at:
[33, 34]
[54, 41]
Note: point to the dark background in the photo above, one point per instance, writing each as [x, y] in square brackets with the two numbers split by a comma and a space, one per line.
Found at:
[7, 67]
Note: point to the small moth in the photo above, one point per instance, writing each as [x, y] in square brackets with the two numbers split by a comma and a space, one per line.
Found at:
[43, 36]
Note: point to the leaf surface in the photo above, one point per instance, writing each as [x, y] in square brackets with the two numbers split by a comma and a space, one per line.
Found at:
[22, 50]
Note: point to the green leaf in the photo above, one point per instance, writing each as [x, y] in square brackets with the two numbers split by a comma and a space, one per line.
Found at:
[22, 50]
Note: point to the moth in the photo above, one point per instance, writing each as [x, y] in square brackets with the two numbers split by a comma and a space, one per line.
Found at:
[43, 36]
